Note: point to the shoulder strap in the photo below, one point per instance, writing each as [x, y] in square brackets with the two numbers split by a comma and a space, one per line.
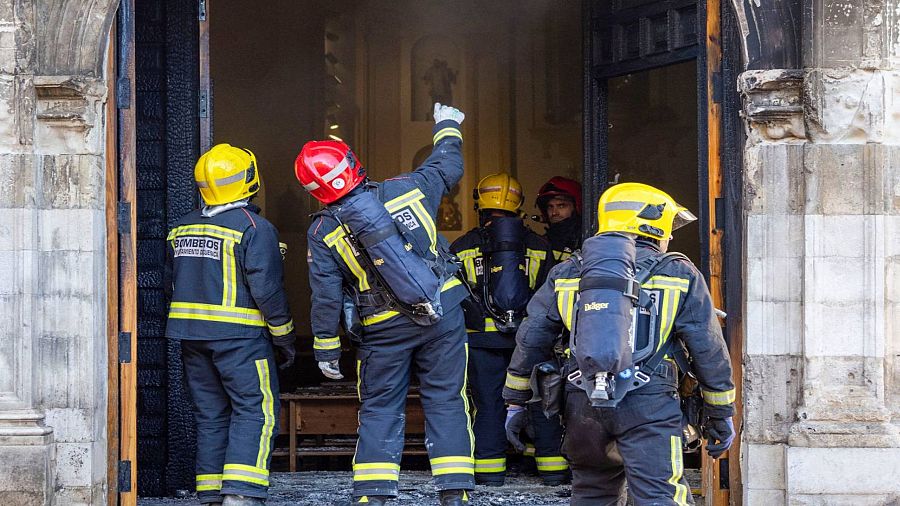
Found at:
[652, 264]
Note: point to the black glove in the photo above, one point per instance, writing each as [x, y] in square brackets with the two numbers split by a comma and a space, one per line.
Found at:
[284, 350]
[516, 421]
[721, 430]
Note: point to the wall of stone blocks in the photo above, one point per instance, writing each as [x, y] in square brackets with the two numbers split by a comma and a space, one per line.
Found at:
[822, 210]
[53, 351]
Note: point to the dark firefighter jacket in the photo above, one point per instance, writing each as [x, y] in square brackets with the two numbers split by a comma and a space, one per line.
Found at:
[564, 237]
[686, 312]
[413, 199]
[225, 276]
[538, 260]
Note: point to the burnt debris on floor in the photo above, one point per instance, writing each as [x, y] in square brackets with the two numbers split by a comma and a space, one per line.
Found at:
[332, 488]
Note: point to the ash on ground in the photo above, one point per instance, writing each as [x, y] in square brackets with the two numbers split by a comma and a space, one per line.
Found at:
[332, 488]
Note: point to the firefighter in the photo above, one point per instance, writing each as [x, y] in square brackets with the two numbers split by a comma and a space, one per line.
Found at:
[639, 440]
[395, 337]
[559, 200]
[228, 309]
[505, 263]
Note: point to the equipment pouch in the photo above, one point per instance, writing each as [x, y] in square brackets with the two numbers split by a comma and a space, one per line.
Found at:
[473, 313]
[350, 319]
[548, 387]
[691, 414]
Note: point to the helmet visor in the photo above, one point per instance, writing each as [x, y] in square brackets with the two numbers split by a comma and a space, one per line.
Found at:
[683, 218]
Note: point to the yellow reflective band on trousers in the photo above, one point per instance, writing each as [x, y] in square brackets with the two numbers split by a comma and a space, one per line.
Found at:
[216, 313]
[326, 343]
[446, 132]
[268, 409]
[452, 465]
[337, 239]
[413, 201]
[517, 382]
[681, 490]
[374, 471]
[557, 463]
[382, 316]
[533, 260]
[719, 398]
[281, 330]
[465, 398]
[206, 482]
[490, 465]
[247, 474]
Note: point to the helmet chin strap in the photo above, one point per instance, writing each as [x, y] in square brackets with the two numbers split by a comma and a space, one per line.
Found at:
[210, 211]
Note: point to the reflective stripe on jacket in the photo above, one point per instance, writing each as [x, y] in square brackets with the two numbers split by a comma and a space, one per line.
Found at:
[225, 275]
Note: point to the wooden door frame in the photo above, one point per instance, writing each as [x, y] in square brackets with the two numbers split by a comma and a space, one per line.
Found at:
[721, 252]
[121, 244]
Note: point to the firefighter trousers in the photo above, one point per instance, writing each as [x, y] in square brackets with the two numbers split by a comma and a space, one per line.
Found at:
[234, 386]
[385, 361]
[487, 374]
[638, 442]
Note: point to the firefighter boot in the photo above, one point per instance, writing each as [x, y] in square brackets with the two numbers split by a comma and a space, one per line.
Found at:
[454, 497]
[242, 500]
[371, 500]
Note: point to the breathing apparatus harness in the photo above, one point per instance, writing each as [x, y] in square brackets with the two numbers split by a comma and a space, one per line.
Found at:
[423, 314]
[505, 321]
[607, 388]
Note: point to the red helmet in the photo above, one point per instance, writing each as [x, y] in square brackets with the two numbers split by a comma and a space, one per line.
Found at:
[328, 170]
[559, 186]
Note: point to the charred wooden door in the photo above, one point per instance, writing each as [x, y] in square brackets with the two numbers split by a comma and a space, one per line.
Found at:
[121, 191]
[629, 36]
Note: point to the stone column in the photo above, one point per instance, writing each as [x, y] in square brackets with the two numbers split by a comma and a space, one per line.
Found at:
[26, 449]
[53, 355]
[823, 204]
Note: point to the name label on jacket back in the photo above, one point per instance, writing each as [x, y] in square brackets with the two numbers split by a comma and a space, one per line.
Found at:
[203, 247]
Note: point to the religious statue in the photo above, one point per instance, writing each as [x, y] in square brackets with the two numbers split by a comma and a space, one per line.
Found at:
[440, 79]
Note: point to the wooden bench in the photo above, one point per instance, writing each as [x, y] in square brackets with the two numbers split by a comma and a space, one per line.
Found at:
[320, 415]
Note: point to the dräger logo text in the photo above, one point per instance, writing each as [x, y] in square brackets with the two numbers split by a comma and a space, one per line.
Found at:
[596, 306]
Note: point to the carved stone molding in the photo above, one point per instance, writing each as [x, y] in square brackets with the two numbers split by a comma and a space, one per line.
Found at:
[71, 36]
[69, 113]
[27, 423]
[773, 105]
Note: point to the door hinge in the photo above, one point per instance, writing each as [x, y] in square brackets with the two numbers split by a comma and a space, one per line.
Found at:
[123, 218]
[204, 103]
[124, 476]
[724, 481]
[124, 347]
[123, 93]
[720, 213]
[201, 15]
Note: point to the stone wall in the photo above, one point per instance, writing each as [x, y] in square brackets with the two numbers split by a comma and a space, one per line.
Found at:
[52, 252]
[822, 207]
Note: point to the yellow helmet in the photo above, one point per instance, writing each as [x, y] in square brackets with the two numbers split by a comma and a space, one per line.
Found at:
[499, 191]
[226, 174]
[640, 209]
